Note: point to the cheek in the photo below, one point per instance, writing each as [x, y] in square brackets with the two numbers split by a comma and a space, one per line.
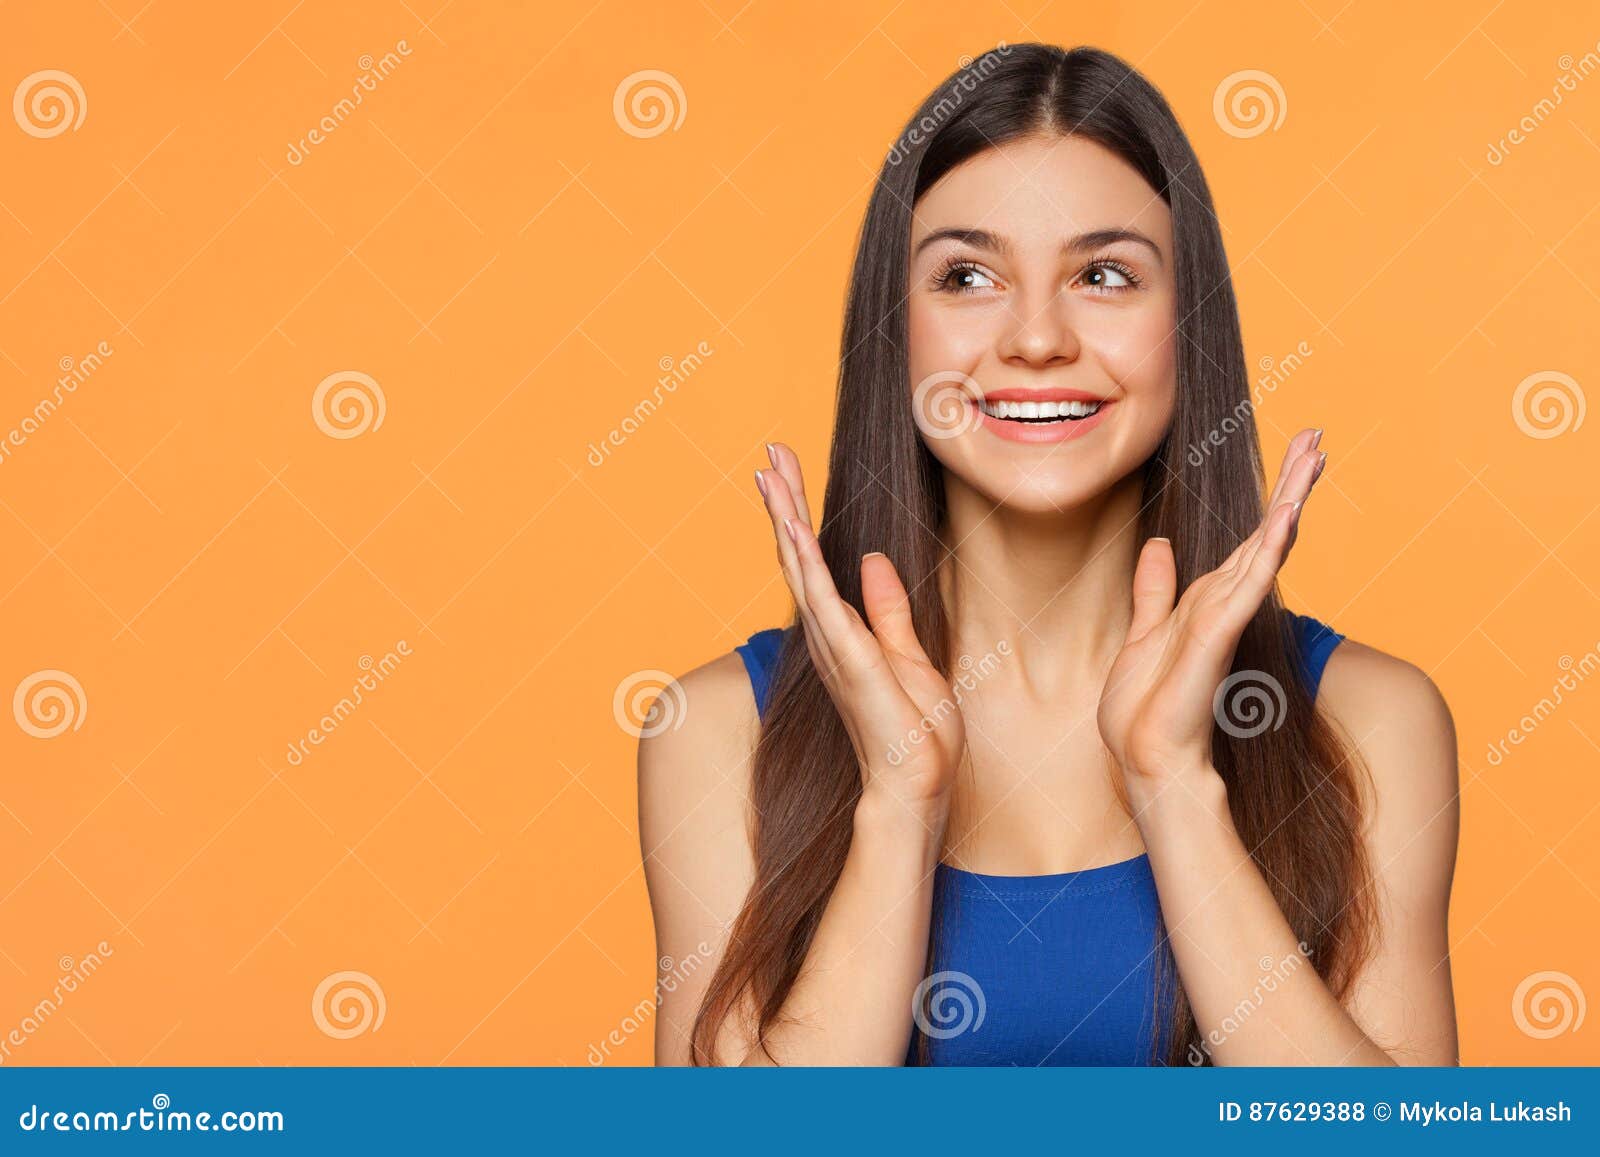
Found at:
[1140, 355]
[943, 339]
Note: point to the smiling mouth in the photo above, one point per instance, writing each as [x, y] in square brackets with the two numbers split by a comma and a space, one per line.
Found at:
[1040, 413]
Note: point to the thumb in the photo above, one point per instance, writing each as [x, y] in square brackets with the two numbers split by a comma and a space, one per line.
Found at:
[1155, 587]
[888, 606]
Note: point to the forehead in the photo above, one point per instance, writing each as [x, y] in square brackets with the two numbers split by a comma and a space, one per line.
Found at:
[1038, 190]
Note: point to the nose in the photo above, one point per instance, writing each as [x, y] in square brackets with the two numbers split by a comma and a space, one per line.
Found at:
[1039, 330]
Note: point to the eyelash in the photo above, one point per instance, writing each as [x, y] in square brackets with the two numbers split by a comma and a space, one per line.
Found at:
[942, 277]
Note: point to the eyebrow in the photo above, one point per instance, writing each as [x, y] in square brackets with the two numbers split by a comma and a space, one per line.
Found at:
[984, 239]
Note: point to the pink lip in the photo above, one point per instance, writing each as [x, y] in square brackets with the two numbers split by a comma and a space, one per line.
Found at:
[1042, 432]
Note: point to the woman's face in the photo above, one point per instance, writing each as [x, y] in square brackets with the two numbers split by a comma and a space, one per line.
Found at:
[1041, 322]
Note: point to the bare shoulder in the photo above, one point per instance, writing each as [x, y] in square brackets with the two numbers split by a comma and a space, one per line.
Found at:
[698, 760]
[694, 784]
[1399, 721]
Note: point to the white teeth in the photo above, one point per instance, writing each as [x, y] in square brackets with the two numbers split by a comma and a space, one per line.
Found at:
[1039, 411]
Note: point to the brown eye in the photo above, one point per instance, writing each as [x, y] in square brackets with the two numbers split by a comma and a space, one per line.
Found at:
[1106, 276]
[963, 278]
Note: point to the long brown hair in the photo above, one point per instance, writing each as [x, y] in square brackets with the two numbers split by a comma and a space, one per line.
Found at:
[1292, 789]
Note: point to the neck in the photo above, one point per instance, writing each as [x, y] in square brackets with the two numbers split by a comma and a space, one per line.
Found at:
[1056, 586]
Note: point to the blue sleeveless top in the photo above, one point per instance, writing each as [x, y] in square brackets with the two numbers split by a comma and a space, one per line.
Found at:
[1063, 969]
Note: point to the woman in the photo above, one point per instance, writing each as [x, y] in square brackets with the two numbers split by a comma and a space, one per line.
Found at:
[1043, 773]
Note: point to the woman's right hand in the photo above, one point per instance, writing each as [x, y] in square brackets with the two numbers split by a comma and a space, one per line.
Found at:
[900, 712]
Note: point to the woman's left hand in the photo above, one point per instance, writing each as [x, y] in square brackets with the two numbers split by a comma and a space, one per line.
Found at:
[1156, 713]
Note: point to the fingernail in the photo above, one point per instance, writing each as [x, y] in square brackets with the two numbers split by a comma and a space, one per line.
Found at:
[772, 456]
[794, 535]
[761, 484]
[1321, 462]
[1316, 438]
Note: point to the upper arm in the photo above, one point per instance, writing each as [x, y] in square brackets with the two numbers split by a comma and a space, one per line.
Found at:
[1402, 730]
[694, 835]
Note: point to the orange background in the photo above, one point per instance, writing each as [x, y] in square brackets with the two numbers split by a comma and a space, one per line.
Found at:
[483, 239]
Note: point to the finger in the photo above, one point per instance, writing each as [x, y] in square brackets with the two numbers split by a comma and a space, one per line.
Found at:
[786, 462]
[1251, 589]
[1294, 486]
[852, 646]
[780, 505]
[1155, 587]
[1301, 444]
[889, 607]
[780, 508]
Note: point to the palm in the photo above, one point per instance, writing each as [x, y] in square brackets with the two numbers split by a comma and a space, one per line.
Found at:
[1155, 713]
[900, 712]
